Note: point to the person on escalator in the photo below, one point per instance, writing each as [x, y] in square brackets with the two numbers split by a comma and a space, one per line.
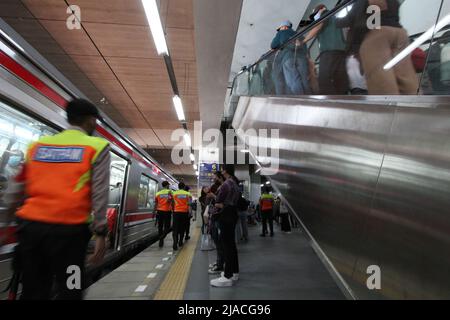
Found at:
[379, 46]
[290, 70]
[333, 79]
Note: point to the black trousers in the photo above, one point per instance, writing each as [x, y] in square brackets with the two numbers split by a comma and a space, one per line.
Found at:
[227, 226]
[52, 256]
[180, 220]
[333, 78]
[267, 216]
[285, 224]
[164, 218]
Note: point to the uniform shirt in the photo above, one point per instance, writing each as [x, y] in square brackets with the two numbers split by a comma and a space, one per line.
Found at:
[266, 202]
[100, 188]
[163, 200]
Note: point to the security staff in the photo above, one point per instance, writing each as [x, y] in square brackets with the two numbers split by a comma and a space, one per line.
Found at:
[65, 180]
[181, 202]
[266, 203]
[163, 206]
[187, 227]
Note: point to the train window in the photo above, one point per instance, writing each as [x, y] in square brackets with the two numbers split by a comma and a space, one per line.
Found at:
[147, 193]
[117, 179]
[17, 131]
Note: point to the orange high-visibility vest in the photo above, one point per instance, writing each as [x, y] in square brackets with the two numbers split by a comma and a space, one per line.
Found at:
[57, 177]
[266, 202]
[181, 201]
[164, 200]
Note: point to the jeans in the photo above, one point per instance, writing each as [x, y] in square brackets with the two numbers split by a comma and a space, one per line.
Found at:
[296, 75]
[215, 235]
[242, 226]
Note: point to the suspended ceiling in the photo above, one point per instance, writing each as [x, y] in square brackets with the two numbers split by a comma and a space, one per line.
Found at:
[113, 57]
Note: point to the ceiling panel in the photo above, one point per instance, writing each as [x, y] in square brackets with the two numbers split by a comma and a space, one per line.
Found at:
[47, 9]
[181, 14]
[107, 11]
[181, 43]
[116, 59]
[14, 8]
[74, 42]
[36, 35]
[116, 40]
[94, 67]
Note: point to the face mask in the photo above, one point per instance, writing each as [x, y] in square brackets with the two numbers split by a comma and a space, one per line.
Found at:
[14, 161]
[317, 16]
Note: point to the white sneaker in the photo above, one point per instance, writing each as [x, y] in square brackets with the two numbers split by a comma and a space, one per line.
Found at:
[212, 265]
[222, 282]
[235, 276]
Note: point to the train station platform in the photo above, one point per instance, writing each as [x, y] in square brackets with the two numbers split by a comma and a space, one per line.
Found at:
[284, 267]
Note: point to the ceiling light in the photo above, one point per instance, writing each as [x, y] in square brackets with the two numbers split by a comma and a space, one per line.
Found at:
[268, 182]
[245, 151]
[179, 108]
[187, 139]
[192, 157]
[196, 173]
[262, 185]
[154, 21]
[195, 167]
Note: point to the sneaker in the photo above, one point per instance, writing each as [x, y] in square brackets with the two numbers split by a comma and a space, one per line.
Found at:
[221, 282]
[187, 238]
[235, 276]
[215, 270]
[212, 265]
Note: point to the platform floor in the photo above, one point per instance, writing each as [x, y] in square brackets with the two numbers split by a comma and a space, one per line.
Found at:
[284, 267]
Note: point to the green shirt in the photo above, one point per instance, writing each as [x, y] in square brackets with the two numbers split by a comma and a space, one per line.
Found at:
[331, 38]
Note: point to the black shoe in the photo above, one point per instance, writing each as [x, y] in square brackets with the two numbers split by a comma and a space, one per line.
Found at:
[187, 238]
[180, 244]
[271, 234]
[161, 243]
[175, 248]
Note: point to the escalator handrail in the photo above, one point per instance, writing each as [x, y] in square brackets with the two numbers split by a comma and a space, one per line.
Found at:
[303, 32]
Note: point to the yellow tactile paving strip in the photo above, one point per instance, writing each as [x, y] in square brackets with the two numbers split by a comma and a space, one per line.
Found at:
[174, 284]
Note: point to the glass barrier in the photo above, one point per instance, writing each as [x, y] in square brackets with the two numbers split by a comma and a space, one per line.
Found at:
[398, 48]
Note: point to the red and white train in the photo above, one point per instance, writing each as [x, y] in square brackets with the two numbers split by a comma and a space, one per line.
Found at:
[33, 95]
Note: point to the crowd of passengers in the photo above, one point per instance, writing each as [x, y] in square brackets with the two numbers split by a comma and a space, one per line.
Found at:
[353, 59]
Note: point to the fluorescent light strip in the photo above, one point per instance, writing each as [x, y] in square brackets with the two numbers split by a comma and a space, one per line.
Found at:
[192, 157]
[154, 21]
[195, 167]
[179, 108]
[418, 42]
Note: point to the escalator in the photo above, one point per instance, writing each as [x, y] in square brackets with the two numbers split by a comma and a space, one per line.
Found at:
[367, 176]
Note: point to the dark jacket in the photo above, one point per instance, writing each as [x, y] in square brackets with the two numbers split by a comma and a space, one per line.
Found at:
[282, 37]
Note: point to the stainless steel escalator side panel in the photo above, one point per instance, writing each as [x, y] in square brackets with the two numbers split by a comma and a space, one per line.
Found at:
[370, 180]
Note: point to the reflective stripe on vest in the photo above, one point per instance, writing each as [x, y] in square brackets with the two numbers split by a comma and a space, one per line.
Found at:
[267, 201]
[58, 178]
[181, 200]
[164, 200]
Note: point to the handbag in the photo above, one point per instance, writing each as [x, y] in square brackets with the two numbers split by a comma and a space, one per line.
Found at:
[206, 244]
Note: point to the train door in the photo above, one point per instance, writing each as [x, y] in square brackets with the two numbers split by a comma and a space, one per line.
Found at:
[117, 198]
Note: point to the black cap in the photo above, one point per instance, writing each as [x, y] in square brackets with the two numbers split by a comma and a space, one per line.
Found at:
[81, 108]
